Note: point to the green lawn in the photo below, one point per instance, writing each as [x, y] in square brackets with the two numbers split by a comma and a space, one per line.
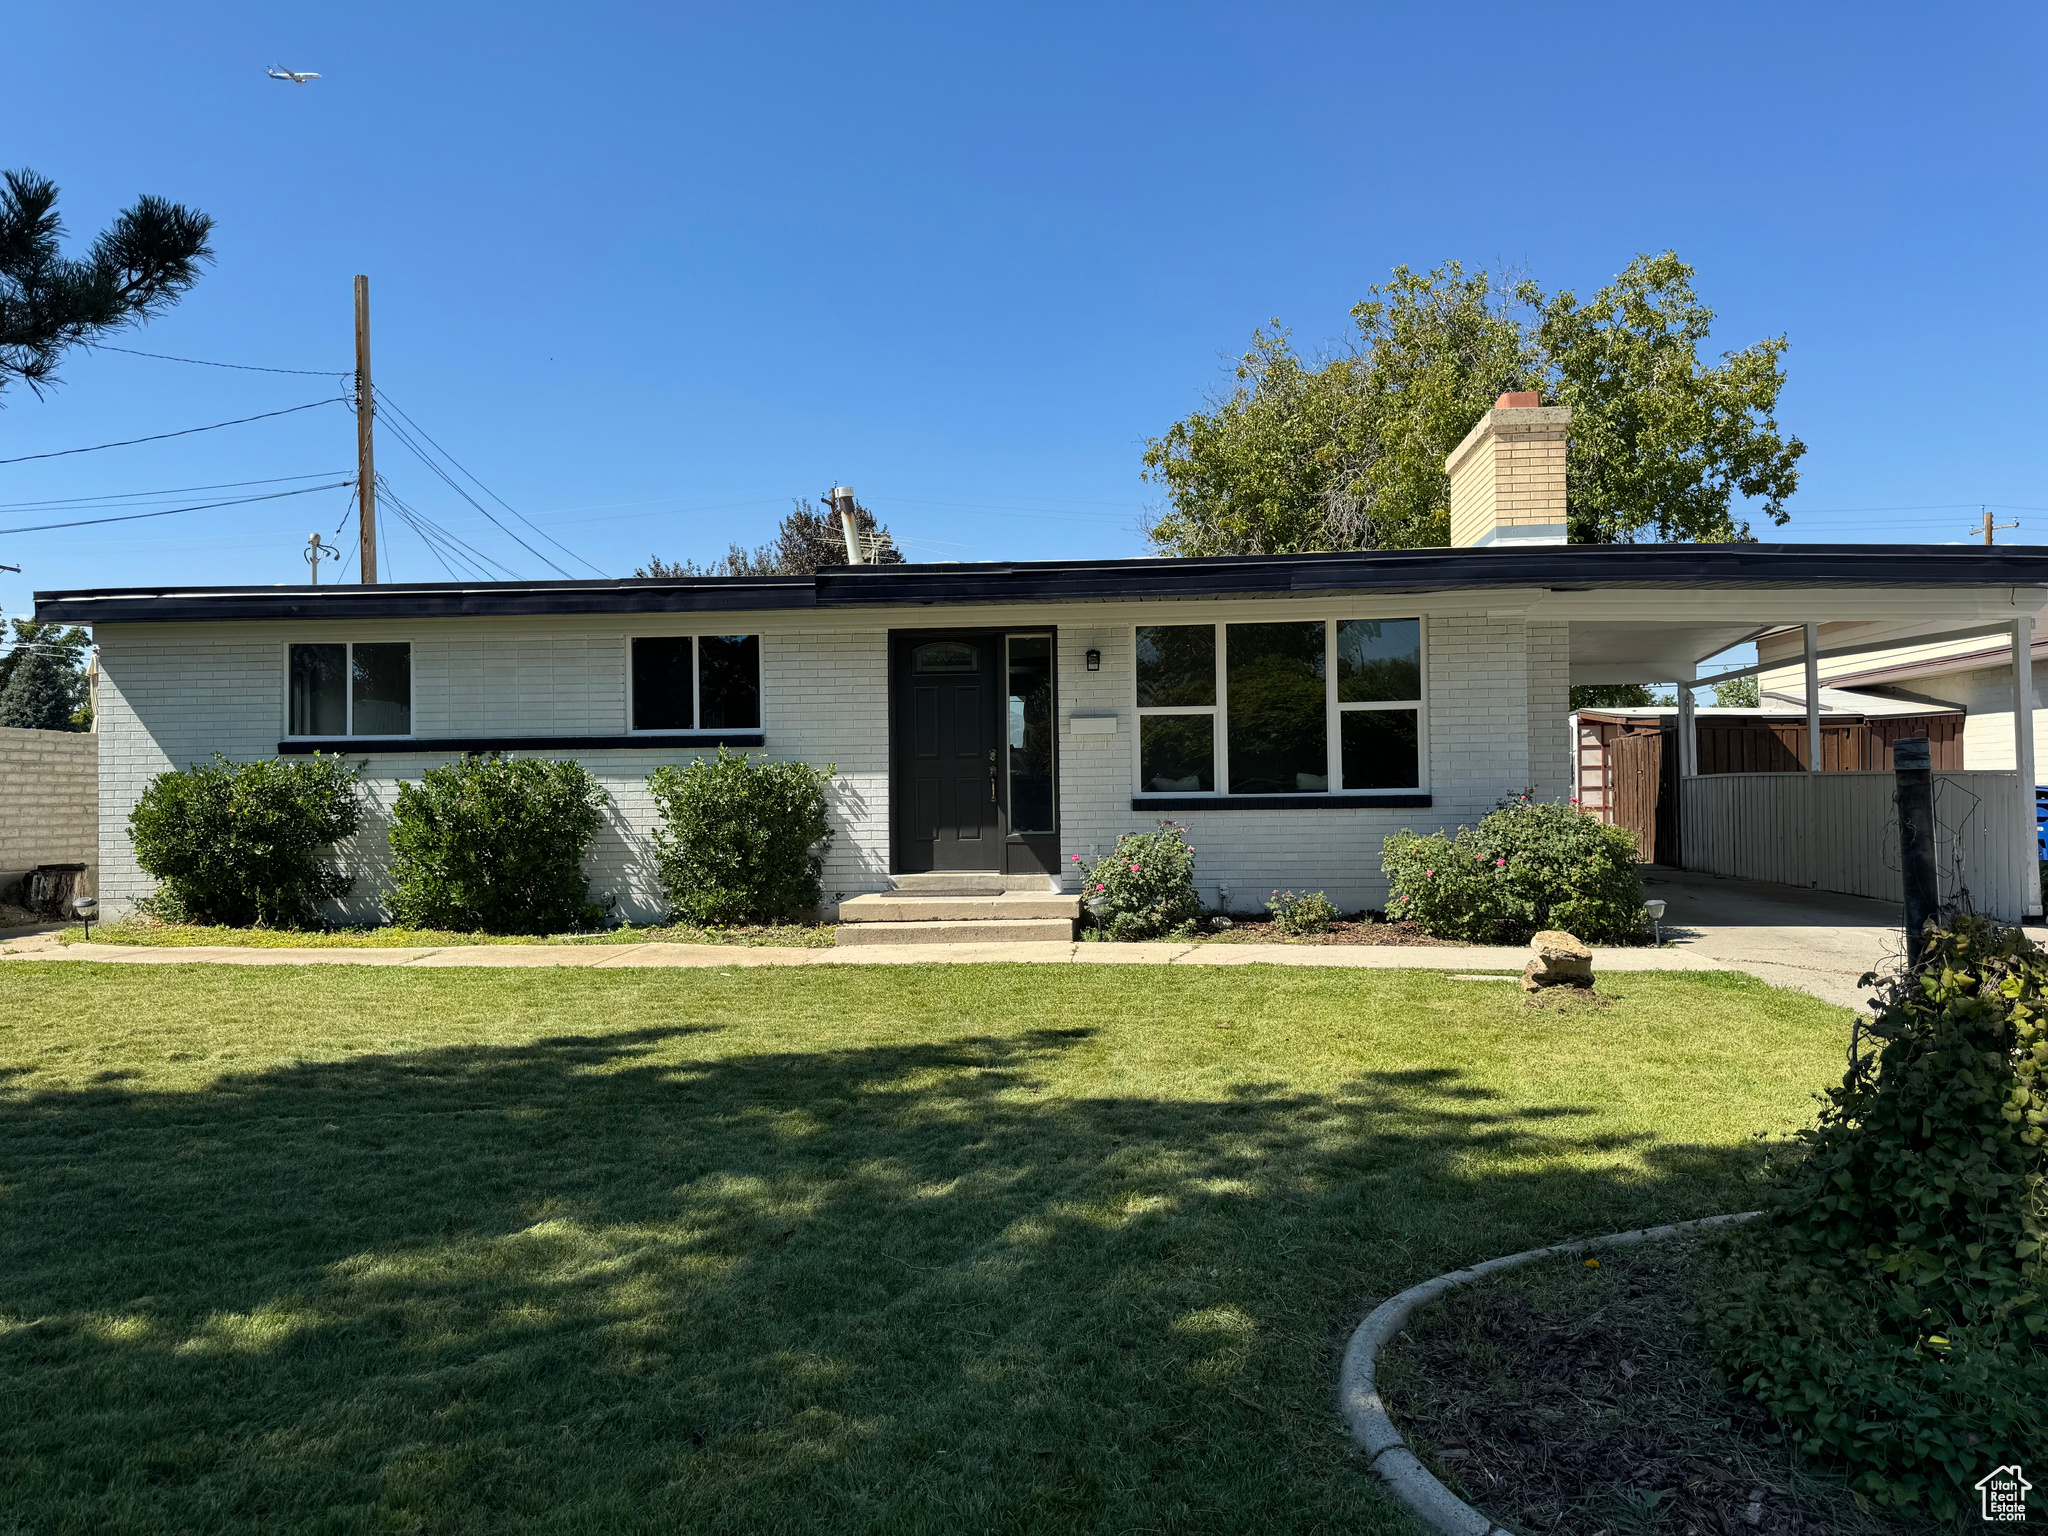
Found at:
[845, 1249]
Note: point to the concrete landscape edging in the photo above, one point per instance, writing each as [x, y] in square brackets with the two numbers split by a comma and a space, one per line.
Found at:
[1358, 1394]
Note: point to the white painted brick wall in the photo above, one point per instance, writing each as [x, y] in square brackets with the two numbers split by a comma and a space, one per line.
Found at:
[1550, 696]
[49, 800]
[171, 694]
[1478, 713]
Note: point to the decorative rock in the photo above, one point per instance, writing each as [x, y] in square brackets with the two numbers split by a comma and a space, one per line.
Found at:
[1559, 961]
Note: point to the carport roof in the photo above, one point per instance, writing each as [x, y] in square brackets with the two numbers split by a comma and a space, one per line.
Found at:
[1559, 567]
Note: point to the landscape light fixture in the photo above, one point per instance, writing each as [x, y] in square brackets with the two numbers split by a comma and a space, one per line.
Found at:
[1656, 911]
[1094, 660]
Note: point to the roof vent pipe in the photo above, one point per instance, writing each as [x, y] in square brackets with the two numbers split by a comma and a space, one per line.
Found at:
[842, 503]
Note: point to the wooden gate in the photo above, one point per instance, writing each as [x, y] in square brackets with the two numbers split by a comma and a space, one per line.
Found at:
[1644, 801]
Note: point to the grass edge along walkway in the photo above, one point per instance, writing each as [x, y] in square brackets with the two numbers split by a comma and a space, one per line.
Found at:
[632, 956]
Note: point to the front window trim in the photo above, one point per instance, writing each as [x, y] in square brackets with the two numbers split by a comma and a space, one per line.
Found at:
[696, 726]
[1334, 710]
[348, 693]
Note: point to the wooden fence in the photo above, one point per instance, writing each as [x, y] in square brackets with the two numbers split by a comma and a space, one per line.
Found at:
[1847, 745]
[1840, 832]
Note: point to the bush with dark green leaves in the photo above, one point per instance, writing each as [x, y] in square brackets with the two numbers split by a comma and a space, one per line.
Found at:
[741, 839]
[1145, 888]
[1302, 912]
[247, 844]
[495, 845]
[1891, 1310]
[1524, 868]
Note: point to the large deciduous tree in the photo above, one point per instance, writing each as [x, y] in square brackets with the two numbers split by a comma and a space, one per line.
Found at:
[1660, 441]
[139, 265]
[1347, 451]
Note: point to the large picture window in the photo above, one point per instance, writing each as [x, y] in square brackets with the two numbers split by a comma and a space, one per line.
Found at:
[697, 683]
[1300, 707]
[352, 689]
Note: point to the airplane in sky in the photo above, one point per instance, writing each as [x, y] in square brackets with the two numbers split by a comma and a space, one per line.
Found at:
[296, 77]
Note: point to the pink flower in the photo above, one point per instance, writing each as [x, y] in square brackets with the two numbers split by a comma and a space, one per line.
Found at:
[1500, 863]
[1102, 887]
[1429, 874]
[1134, 869]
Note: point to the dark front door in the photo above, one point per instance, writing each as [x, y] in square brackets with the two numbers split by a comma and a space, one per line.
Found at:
[946, 782]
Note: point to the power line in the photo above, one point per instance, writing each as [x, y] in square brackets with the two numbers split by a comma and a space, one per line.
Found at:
[205, 506]
[501, 501]
[448, 480]
[311, 373]
[169, 490]
[187, 432]
[444, 544]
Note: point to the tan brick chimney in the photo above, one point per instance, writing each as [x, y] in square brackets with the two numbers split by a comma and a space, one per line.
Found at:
[1507, 477]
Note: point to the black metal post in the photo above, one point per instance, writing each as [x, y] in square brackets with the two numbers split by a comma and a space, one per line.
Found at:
[1914, 764]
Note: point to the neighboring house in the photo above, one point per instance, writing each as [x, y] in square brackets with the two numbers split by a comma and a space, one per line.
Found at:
[1291, 710]
[1972, 673]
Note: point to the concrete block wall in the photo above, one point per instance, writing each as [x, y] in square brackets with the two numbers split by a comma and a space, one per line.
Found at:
[49, 801]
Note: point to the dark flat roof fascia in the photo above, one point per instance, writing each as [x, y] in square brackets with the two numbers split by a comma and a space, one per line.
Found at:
[1401, 570]
[113, 605]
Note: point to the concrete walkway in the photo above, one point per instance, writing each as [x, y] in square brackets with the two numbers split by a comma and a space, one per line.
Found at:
[1815, 941]
[1472, 960]
[44, 946]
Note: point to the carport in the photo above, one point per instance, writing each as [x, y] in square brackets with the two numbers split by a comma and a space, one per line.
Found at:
[1815, 829]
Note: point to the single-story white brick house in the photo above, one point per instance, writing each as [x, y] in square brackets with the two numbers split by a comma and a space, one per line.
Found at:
[1291, 710]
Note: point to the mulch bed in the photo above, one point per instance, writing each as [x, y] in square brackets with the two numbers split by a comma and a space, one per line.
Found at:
[1562, 1398]
[1249, 930]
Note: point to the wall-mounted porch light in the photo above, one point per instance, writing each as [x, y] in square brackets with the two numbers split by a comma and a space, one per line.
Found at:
[1094, 661]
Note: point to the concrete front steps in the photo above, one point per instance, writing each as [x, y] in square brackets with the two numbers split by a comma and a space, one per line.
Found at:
[957, 908]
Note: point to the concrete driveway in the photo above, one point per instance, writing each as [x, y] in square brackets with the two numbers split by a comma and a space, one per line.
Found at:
[1817, 941]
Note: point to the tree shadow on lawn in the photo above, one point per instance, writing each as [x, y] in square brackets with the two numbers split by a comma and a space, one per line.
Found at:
[595, 1282]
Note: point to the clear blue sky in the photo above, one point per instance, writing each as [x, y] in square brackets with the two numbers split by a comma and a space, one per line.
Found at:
[651, 271]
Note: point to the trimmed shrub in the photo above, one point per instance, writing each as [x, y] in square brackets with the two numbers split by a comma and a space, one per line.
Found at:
[495, 845]
[1524, 868]
[1146, 888]
[741, 839]
[1891, 1311]
[247, 844]
[1300, 912]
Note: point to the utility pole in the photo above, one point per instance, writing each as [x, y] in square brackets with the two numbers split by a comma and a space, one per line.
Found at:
[366, 456]
[1990, 527]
